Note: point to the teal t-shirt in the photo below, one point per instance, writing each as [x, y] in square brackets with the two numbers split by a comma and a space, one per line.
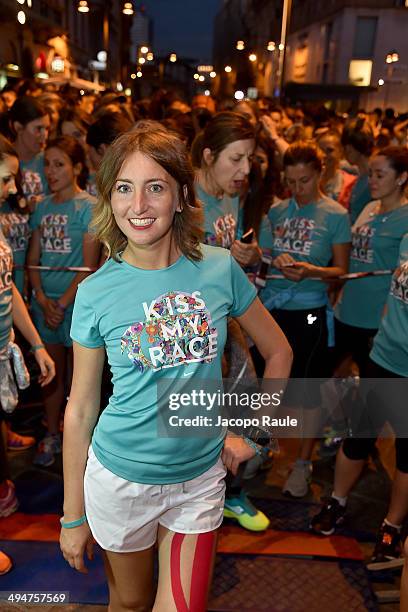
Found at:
[265, 239]
[390, 349]
[62, 227]
[6, 293]
[308, 234]
[220, 218]
[171, 323]
[360, 197]
[375, 246]
[33, 179]
[16, 230]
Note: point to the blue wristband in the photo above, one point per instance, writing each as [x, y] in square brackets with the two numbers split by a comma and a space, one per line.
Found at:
[258, 449]
[73, 524]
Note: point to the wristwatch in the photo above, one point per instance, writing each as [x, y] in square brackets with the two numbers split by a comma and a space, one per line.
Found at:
[262, 437]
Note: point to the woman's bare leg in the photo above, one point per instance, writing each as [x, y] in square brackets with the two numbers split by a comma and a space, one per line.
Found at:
[185, 570]
[130, 580]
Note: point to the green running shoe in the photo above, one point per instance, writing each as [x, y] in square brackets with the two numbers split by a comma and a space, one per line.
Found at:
[243, 511]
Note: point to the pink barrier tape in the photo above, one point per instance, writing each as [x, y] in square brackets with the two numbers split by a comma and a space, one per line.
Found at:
[57, 268]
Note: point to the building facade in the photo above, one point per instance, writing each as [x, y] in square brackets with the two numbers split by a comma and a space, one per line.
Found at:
[347, 43]
[57, 40]
[336, 50]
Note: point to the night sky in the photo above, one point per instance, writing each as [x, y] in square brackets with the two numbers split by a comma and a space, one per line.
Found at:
[183, 26]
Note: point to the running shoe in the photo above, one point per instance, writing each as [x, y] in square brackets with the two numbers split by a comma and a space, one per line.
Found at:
[8, 503]
[17, 442]
[330, 516]
[47, 449]
[387, 551]
[297, 484]
[243, 511]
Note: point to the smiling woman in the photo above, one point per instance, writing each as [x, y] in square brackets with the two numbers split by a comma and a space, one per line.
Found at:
[159, 309]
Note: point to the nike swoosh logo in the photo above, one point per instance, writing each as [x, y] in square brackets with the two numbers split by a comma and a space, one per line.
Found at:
[188, 374]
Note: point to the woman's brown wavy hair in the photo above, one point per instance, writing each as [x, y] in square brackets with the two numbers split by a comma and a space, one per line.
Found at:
[170, 153]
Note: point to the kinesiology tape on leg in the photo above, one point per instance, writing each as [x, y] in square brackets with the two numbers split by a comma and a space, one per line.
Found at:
[175, 573]
[200, 574]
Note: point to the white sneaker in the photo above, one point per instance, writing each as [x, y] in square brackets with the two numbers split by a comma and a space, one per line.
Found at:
[297, 484]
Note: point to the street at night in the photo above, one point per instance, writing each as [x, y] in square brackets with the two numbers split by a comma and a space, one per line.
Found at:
[203, 305]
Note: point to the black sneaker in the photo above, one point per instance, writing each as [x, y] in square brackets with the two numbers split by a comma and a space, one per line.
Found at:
[330, 516]
[387, 551]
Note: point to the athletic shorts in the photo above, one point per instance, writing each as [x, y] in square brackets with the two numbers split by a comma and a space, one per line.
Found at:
[61, 335]
[354, 341]
[306, 332]
[124, 516]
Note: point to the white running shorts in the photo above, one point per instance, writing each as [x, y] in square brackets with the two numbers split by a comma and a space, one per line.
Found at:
[124, 516]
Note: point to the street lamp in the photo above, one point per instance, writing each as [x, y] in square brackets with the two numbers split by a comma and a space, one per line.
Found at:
[150, 57]
[252, 57]
[127, 8]
[213, 74]
[141, 60]
[173, 57]
[271, 46]
[228, 69]
[139, 74]
[133, 75]
[144, 49]
[83, 6]
[381, 82]
[240, 45]
[21, 17]
[196, 76]
[391, 59]
[201, 78]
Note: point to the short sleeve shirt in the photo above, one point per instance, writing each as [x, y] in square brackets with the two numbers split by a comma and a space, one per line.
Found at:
[62, 227]
[16, 230]
[390, 348]
[33, 179]
[6, 294]
[308, 234]
[171, 323]
[220, 218]
[376, 241]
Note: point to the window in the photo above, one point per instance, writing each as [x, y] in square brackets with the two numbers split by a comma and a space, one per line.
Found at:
[360, 72]
[364, 41]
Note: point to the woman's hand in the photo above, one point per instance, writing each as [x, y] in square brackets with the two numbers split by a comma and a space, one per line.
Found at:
[235, 451]
[47, 366]
[294, 270]
[270, 127]
[246, 254]
[53, 315]
[73, 543]
[299, 271]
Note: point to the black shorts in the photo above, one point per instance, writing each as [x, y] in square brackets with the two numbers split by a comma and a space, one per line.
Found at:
[306, 332]
[377, 409]
[354, 341]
